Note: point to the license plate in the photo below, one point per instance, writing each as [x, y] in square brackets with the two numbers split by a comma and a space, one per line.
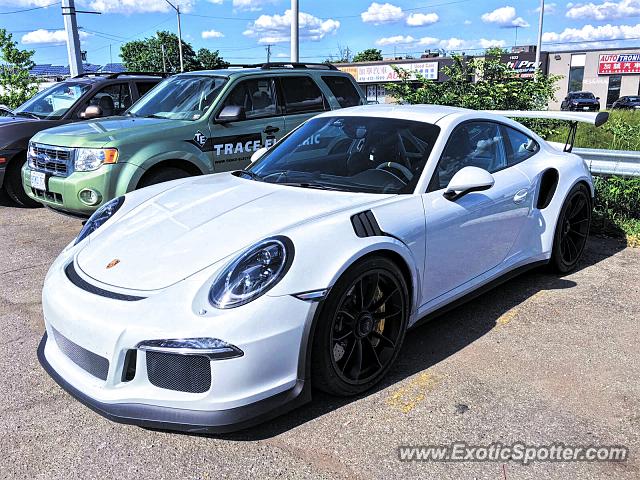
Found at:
[585, 108]
[39, 181]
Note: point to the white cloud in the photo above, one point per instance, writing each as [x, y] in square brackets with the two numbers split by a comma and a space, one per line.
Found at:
[379, 13]
[207, 34]
[407, 41]
[484, 43]
[421, 19]
[505, 17]
[48, 36]
[128, 7]
[549, 8]
[607, 10]
[277, 28]
[455, 43]
[28, 3]
[468, 22]
[215, 2]
[251, 5]
[589, 33]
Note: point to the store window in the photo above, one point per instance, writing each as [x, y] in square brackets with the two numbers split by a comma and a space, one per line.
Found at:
[613, 93]
[576, 72]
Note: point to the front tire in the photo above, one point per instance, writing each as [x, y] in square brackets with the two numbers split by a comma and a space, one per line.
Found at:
[572, 230]
[13, 185]
[361, 328]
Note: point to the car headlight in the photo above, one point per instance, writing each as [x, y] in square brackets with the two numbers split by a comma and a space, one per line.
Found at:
[252, 273]
[88, 159]
[99, 217]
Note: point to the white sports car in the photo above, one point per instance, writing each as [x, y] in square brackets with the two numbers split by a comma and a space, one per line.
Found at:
[216, 302]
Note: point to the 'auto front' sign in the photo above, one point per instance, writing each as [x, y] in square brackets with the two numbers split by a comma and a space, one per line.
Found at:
[619, 63]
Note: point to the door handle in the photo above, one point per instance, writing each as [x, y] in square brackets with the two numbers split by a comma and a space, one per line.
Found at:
[520, 196]
[270, 130]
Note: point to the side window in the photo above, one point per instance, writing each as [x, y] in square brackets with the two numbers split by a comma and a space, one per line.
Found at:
[302, 95]
[344, 91]
[472, 144]
[113, 100]
[519, 146]
[144, 87]
[256, 96]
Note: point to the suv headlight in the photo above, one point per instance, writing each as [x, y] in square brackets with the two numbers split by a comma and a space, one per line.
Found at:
[99, 217]
[252, 273]
[88, 159]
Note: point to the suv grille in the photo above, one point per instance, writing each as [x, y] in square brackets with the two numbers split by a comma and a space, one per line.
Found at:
[184, 373]
[90, 362]
[54, 160]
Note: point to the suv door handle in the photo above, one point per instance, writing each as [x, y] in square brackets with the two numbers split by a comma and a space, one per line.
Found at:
[270, 130]
[520, 196]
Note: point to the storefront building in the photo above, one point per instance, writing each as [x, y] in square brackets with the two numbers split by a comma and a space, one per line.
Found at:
[608, 74]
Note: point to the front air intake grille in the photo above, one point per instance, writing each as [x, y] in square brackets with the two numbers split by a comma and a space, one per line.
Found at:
[184, 373]
[50, 159]
[90, 362]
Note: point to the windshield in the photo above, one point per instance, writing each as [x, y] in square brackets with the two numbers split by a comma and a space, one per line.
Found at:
[633, 99]
[55, 101]
[584, 95]
[354, 154]
[180, 98]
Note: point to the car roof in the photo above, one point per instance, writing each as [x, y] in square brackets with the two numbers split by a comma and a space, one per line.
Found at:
[241, 71]
[421, 113]
[100, 78]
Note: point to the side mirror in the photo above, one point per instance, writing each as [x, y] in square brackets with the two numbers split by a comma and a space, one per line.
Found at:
[92, 111]
[597, 98]
[467, 180]
[231, 113]
[257, 155]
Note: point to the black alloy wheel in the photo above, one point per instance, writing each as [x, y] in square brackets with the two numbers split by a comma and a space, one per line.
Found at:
[362, 328]
[572, 229]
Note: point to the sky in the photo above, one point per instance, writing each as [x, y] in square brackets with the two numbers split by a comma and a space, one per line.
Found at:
[242, 29]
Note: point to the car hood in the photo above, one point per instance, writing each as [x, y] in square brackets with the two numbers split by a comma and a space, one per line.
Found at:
[15, 120]
[198, 223]
[98, 133]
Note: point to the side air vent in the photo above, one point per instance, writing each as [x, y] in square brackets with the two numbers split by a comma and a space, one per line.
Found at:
[366, 225]
[548, 184]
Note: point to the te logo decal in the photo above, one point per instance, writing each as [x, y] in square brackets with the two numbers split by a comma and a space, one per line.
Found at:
[199, 138]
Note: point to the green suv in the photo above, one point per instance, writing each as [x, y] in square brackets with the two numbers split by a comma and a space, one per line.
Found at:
[190, 124]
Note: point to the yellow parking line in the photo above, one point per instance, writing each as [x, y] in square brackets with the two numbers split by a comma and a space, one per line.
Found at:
[407, 397]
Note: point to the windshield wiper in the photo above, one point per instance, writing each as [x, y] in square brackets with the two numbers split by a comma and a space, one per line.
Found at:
[317, 186]
[248, 173]
[26, 114]
[153, 115]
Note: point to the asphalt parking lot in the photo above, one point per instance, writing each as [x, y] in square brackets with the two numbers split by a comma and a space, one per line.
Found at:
[539, 360]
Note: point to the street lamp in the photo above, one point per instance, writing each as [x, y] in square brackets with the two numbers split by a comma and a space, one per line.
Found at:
[294, 31]
[539, 46]
[177, 9]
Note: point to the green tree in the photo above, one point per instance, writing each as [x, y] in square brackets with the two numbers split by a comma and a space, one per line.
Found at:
[208, 60]
[496, 86]
[146, 55]
[368, 55]
[16, 85]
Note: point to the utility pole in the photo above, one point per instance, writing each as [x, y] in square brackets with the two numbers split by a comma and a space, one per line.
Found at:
[268, 48]
[164, 64]
[539, 45]
[295, 55]
[177, 9]
[73, 39]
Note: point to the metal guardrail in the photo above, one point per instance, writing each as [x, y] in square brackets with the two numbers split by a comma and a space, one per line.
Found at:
[611, 162]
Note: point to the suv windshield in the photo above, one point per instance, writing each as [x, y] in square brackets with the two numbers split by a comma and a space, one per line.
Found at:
[583, 95]
[181, 98]
[354, 154]
[53, 102]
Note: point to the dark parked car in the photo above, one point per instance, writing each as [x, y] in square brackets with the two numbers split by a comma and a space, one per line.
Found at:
[80, 98]
[5, 111]
[581, 101]
[629, 102]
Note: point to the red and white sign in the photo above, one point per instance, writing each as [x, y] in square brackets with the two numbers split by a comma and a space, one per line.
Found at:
[619, 63]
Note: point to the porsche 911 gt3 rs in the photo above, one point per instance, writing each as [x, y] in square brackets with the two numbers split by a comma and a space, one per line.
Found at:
[215, 302]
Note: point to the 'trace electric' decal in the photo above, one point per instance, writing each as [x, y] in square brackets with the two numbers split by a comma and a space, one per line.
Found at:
[232, 145]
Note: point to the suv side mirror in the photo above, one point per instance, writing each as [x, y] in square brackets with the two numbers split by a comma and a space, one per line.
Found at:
[92, 111]
[231, 113]
[597, 98]
[467, 180]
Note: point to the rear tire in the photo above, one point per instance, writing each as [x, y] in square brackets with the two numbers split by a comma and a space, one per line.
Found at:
[162, 175]
[13, 185]
[572, 230]
[361, 328]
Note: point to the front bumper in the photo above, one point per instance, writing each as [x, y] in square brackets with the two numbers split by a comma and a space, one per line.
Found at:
[63, 192]
[266, 381]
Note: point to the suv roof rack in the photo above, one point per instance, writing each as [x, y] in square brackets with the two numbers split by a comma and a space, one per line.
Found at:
[118, 74]
[295, 65]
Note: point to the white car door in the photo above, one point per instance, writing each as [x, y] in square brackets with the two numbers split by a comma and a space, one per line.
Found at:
[475, 233]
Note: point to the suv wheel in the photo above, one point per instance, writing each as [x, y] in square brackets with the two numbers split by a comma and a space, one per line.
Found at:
[13, 185]
[162, 175]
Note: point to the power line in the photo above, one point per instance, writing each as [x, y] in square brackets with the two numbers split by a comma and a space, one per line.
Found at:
[30, 9]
